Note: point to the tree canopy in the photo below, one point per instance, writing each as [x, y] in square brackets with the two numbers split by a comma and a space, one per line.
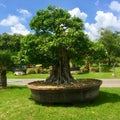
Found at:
[55, 28]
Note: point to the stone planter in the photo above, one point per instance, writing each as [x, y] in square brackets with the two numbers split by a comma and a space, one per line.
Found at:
[82, 91]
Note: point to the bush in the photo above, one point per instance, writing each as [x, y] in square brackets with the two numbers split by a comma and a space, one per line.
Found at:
[39, 70]
[105, 68]
[31, 71]
[95, 69]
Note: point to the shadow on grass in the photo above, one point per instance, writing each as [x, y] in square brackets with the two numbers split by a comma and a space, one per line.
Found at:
[104, 97]
[16, 87]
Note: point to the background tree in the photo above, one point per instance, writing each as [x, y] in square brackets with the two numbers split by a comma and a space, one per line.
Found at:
[4, 41]
[10, 42]
[111, 42]
[9, 46]
[98, 53]
[58, 38]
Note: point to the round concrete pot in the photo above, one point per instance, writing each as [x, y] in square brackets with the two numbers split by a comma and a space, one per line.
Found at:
[80, 91]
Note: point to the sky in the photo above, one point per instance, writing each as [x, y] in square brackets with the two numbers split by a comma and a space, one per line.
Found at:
[15, 15]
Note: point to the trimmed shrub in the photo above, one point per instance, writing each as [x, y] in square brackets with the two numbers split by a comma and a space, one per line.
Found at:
[31, 71]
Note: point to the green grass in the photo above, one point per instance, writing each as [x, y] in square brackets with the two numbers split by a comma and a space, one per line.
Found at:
[16, 104]
[97, 75]
[84, 75]
[27, 76]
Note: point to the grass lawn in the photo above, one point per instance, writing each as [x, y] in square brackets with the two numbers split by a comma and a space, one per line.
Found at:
[84, 75]
[17, 104]
[27, 76]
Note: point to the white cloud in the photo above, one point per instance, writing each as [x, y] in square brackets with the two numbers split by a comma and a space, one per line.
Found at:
[107, 19]
[10, 20]
[76, 12]
[20, 29]
[92, 31]
[103, 20]
[115, 5]
[15, 23]
[24, 12]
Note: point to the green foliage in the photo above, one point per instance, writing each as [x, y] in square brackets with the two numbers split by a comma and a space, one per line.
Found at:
[5, 59]
[98, 52]
[54, 29]
[111, 42]
[105, 68]
[9, 47]
[10, 42]
[33, 52]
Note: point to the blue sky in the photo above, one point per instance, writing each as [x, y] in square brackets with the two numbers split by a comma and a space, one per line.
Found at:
[16, 14]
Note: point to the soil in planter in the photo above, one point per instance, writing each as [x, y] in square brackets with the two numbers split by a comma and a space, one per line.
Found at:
[80, 83]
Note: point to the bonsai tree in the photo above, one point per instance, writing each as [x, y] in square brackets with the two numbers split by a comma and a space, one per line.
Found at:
[58, 39]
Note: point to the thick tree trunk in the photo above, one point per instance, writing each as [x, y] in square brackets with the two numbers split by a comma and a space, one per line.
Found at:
[3, 78]
[61, 70]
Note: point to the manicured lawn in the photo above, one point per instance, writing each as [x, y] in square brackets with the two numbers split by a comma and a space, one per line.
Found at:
[84, 75]
[97, 75]
[32, 76]
[17, 104]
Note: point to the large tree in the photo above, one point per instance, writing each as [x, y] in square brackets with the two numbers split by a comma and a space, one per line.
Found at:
[58, 38]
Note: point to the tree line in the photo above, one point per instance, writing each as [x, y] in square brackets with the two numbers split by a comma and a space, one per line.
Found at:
[106, 49]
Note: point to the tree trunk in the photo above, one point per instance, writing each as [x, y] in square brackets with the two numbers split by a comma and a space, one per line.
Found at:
[86, 67]
[3, 78]
[61, 70]
[109, 61]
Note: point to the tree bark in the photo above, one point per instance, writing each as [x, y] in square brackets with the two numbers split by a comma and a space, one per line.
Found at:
[61, 70]
[3, 79]
[109, 61]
